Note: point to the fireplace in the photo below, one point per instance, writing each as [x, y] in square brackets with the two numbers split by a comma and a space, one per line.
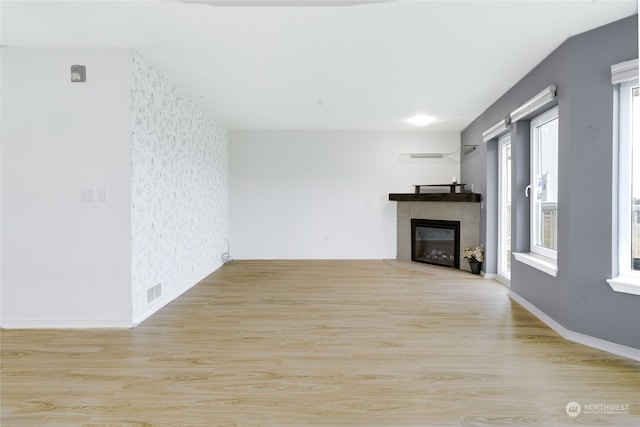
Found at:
[435, 242]
[459, 208]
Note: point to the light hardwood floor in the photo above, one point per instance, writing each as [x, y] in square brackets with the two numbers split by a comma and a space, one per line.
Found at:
[319, 343]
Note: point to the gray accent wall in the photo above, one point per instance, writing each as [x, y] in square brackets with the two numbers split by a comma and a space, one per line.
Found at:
[579, 298]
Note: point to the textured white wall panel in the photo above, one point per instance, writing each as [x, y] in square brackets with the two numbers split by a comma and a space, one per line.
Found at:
[179, 189]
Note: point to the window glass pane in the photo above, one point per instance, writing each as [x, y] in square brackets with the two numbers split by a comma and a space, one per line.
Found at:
[505, 207]
[635, 172]
[546, 185]
[507, 214]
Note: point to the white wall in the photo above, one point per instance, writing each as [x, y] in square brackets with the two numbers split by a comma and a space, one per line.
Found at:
[128, 130]
[62, 259]
[324, 194]
[179, 190]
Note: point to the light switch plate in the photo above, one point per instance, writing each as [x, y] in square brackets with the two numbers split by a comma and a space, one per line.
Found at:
[88, 195]
[103, 195]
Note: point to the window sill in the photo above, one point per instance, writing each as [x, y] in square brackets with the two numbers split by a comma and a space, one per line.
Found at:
[625, 284]
[546, 265]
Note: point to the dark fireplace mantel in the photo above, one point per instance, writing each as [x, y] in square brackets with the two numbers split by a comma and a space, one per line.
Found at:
[436, 197]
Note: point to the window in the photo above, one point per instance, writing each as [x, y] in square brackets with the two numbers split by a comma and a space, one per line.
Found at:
[544, 184]
[629, 97]
[504, 209]
[543, 181]
[628, 222]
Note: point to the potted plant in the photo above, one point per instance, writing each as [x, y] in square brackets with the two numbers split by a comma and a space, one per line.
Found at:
[475, 256]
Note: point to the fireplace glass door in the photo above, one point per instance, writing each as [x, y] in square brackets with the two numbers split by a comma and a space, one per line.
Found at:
[435, 242]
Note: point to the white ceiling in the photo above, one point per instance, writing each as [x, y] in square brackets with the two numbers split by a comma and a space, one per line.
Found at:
[369, 66]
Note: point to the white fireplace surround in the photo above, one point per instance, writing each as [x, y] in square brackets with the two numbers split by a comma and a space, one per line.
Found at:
[468, 213]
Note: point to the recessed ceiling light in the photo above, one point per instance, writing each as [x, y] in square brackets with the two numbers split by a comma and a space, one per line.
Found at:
[420, 120]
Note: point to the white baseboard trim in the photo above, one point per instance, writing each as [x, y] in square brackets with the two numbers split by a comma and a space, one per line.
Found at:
[577, 337]
[166, 299]
[488, 275]
[159, 304]
[504, 281]
[65, 324]
[97, 324]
